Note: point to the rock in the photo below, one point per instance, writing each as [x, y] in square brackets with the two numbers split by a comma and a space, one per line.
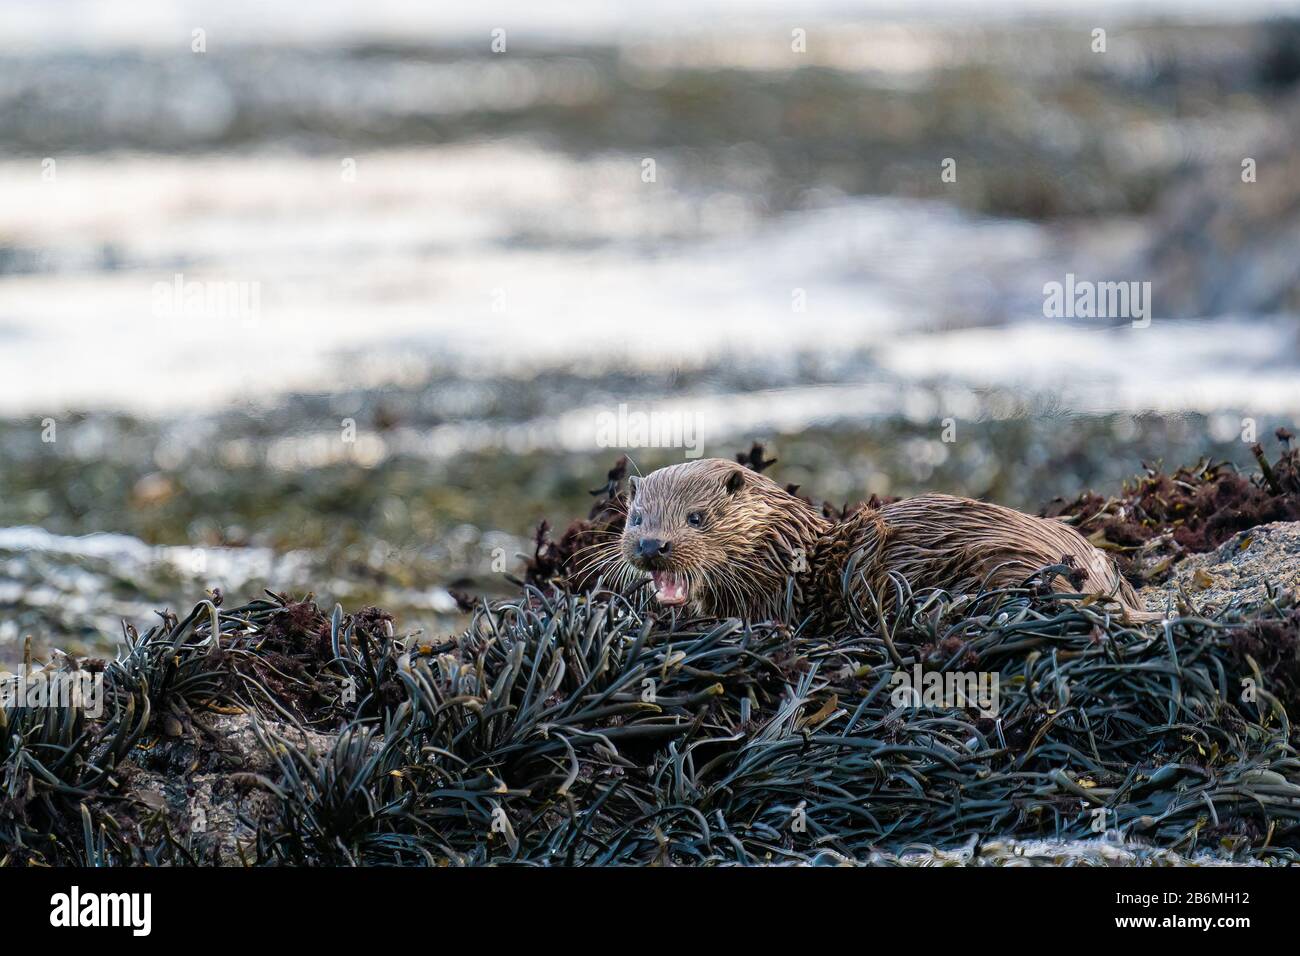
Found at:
[1111, 850]
[1241, 569]
[210, 785]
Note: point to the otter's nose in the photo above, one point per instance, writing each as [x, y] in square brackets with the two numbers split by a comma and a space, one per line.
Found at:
[652, 547]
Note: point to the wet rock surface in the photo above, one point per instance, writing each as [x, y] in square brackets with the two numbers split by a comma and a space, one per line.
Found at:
[213, 783]
[1248, 569]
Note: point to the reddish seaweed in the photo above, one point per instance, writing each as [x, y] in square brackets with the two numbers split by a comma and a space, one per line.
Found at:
[1159, 518]
[1273, 644]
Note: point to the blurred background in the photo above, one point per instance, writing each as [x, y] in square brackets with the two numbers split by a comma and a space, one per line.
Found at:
[333, 298]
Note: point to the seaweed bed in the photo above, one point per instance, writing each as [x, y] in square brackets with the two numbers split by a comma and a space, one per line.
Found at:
[573, 725]
[1160, 518]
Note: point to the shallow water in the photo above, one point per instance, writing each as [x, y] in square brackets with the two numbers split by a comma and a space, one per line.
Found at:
[506, 259]
[346, 207]
[84, 588]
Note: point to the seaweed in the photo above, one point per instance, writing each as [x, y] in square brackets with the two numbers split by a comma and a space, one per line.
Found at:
[575, 725]
[553, 561]
[1270, 648]
[1160, 518]
[587, 729]
[583, 730]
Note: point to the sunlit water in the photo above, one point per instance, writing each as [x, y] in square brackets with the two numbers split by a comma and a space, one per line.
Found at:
[164, 284]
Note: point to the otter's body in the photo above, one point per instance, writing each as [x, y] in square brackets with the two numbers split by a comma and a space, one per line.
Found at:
[724, 541]
[942, 541]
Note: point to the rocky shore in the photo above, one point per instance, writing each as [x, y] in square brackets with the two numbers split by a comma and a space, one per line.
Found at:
[1251, 567]
[215, 779]
[274, 733]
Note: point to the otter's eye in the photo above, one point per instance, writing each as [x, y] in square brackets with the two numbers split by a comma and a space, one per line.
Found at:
[695, 519]
[636, 519]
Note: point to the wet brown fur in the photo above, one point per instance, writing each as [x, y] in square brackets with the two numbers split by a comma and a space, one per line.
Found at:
[756, 536]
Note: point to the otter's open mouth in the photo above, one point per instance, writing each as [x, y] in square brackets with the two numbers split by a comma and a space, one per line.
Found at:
[670, 588]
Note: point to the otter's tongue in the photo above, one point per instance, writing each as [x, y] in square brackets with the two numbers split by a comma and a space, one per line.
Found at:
[670, 588]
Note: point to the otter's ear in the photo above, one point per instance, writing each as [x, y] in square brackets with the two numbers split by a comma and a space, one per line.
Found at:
[635, 484]
[735, 481]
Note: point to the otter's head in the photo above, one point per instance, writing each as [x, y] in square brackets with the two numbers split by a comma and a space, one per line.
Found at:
[715, 536]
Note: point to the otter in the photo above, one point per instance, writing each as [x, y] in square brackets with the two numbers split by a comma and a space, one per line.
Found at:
[721, 540]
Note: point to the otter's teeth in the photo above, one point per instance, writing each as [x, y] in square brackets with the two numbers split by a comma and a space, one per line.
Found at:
[670, 588]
